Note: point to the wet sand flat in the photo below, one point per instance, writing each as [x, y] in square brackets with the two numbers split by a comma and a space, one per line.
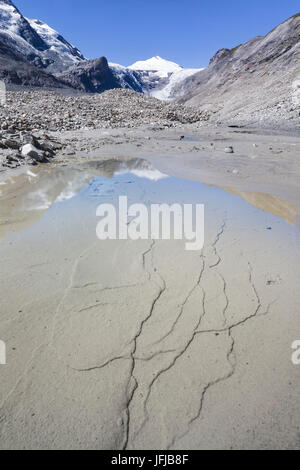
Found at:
[127, 344]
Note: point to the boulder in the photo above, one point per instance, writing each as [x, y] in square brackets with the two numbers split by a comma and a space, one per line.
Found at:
[30, 151]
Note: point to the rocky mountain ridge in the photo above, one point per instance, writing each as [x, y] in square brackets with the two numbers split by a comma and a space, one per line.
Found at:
[255, 82]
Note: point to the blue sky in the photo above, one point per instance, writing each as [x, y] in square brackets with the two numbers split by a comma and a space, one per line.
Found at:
[188, 32]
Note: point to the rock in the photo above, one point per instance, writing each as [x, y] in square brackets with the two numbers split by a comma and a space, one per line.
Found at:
[12, 161]
[12, 144]
[12, 158]
[29, 150]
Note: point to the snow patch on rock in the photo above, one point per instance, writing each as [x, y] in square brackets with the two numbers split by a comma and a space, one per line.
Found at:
[69, 55]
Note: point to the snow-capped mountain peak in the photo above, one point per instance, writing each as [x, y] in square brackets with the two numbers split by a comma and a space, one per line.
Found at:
[156, 64]
[35, 41]
[160, 76]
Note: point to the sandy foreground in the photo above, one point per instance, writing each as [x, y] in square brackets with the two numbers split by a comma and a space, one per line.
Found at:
[141, 344]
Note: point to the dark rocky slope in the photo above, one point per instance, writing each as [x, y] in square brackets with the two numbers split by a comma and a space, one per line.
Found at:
[15, 71]
[95, 76]
[256, 82]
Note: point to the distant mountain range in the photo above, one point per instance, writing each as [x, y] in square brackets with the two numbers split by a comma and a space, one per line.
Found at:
[34, 54]
[261, 76]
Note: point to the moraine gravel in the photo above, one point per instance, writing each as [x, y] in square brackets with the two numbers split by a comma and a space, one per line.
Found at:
[29, 116]
[49, 111]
